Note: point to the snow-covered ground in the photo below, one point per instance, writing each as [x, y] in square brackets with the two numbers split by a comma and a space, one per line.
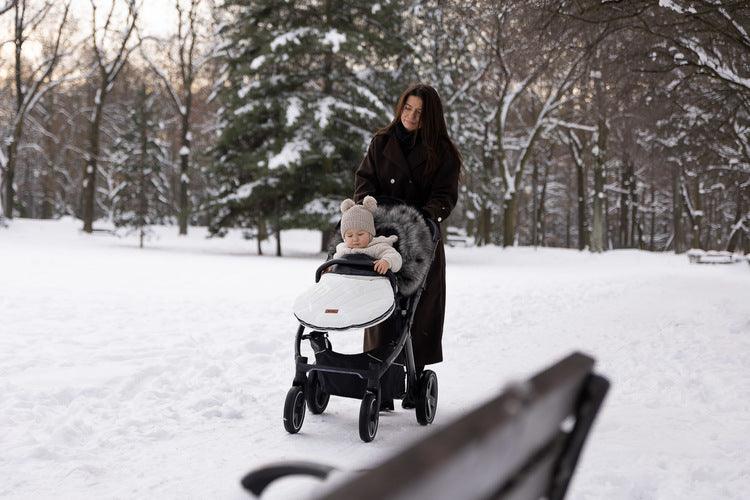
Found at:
[161, 373]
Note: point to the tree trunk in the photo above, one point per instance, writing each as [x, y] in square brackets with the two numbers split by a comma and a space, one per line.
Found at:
[509, 218]
[262, 232]
[484, 226]
[277, 228]
[679, 234]
[540, 211]
[142, 174]
[534, 204]
[184, 180]
[623, 239]
[185, 150]
[599, 217]
[325, 238]
[735, 237]
[653, 219]
[89, 174]
[697, 215]
[635, 223]
[8, 179]
[607, 228]
[568, 210]
[583, 230]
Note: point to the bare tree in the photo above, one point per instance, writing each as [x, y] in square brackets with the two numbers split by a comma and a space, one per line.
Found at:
[187, 58]
[30, 84]
[106, 69]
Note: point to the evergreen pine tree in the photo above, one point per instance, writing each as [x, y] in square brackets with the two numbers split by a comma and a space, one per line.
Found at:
[139, 158]
[303, 88]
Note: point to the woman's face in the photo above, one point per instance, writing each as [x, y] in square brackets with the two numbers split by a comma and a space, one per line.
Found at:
[411, 115]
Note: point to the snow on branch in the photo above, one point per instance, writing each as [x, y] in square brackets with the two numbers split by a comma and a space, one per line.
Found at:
[740, 29]
[470, 82]
[570, 125]
[673, 5]
[714, 63]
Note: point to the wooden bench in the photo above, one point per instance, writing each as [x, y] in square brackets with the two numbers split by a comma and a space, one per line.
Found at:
[696, 256]
[523, 444]
[457, 237]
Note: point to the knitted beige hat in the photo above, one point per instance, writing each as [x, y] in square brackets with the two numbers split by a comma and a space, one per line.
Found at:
[358, 216]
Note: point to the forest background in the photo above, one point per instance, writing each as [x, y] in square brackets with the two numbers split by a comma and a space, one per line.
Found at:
[582, 124]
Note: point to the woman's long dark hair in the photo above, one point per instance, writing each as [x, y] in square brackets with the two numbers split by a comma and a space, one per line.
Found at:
[432, 130]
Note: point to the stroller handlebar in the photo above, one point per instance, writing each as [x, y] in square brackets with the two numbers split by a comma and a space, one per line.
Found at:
[364, 264]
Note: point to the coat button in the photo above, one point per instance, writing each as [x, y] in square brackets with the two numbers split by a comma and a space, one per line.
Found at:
[393, 181]
[440, 219]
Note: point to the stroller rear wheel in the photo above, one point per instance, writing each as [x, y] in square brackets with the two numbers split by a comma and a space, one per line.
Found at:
[294, 409]
[369, 413]
[317, 398]
[427, 397]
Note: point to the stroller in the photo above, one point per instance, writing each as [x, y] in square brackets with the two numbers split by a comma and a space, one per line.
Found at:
[349, 294]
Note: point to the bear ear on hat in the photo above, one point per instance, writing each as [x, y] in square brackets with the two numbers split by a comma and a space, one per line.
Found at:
[346, 205]
[370, 203]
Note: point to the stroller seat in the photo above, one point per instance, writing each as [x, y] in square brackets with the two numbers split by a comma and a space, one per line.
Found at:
[345, 301]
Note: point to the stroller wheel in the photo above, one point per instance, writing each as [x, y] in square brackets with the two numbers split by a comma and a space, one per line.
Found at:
[316, 397]
[427, 397]
[369, 413]
[294, 410]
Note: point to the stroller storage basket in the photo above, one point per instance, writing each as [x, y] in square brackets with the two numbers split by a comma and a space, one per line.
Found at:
[392, 383]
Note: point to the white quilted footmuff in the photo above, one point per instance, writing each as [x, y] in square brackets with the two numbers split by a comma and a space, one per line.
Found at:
[341, 302]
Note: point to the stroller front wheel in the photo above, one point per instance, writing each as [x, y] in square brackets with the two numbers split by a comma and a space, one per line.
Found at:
[294, 410]
[369, 415]
[317, 398]
[427, 397]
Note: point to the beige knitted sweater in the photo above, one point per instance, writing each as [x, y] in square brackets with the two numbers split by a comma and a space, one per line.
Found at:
[381, 247]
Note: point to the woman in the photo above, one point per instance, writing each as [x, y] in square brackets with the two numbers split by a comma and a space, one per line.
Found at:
[413, 159]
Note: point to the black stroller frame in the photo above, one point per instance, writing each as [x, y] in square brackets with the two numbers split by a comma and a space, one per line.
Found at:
[307, 386]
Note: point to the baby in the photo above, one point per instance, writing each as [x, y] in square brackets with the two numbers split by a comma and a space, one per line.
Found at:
[358, 231]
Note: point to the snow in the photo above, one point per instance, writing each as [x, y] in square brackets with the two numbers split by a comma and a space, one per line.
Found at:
[257, 62]
[290, 154]
[247, 108]
[161, 373]
[292, 36]
[184, 151]
[715, 63]
[670, 4]
[334, 39]
[324, 111]
[242, 192]
[293, 110]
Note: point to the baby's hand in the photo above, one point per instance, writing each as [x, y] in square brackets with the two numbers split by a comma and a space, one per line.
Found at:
[381, 266]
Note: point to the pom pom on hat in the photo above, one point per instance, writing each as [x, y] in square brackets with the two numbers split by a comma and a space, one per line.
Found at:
[370, 203]
[347, 204]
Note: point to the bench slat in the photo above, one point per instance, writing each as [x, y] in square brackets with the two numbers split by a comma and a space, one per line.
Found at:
[476, 455]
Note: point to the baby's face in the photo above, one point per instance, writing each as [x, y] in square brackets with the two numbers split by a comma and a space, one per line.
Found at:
[355, 238]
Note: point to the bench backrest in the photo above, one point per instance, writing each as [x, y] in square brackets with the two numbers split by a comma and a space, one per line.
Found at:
[523, 444]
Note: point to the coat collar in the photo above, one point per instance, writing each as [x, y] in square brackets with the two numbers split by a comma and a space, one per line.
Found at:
[393, 152]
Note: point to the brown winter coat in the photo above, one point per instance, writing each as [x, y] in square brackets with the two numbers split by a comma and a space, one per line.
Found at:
[385, 172]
